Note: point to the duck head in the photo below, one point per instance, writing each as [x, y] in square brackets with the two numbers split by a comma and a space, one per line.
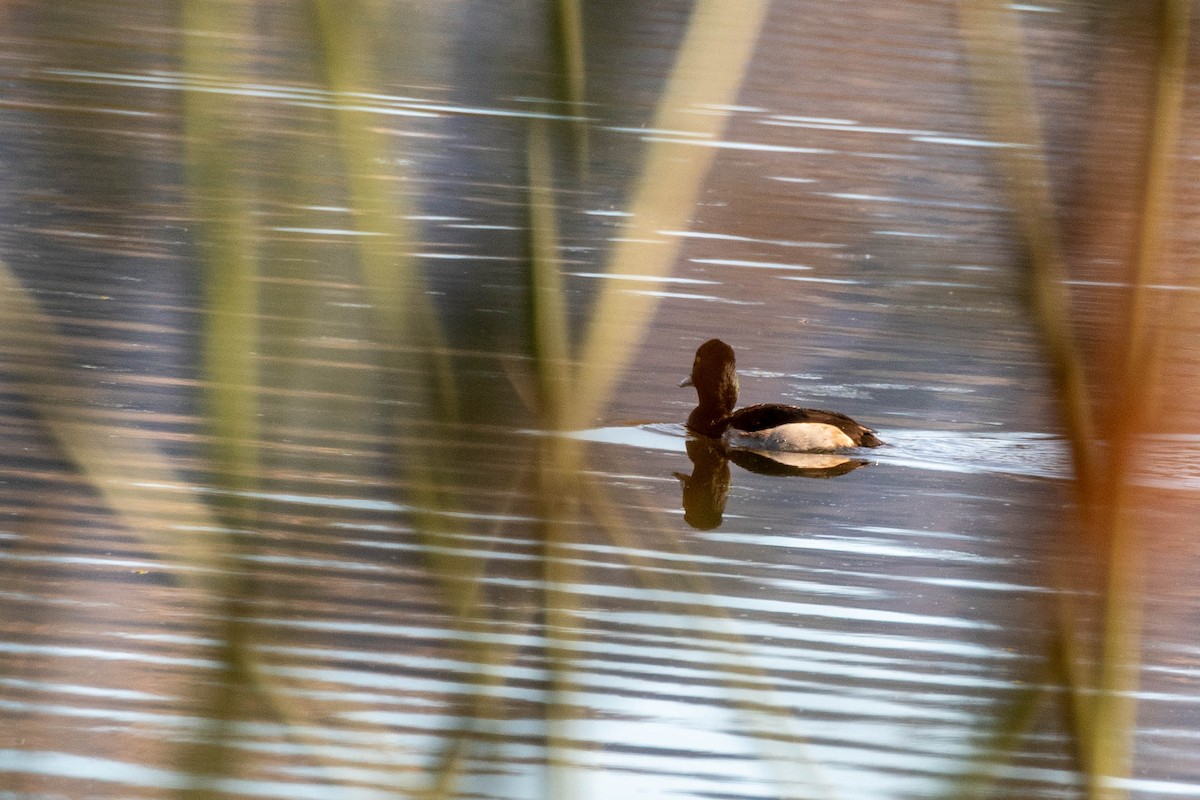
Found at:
[715, 379]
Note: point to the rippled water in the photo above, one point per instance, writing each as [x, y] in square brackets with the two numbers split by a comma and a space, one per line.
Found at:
[702, 624]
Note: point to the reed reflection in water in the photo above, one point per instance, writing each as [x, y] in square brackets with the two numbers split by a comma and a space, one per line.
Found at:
[341, 450]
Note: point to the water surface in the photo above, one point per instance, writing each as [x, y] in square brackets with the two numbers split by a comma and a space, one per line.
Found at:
[809, 630]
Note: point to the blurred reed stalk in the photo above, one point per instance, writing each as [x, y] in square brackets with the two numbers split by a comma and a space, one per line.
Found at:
[559, 461]
[227, 248]
[568, 31]
[146, 495]
[397, 289]
[227, 244]
[565, 492]
[137, 483]
[406, 321]
[708, 71]
[994, 45]
[1115, 712]
[1104, 699]
[407, 324]
[712, 61]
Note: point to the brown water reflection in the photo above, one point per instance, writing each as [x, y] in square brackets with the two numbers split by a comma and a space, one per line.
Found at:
[437, 604]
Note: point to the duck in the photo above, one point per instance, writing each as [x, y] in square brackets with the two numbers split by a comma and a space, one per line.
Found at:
[767, 426]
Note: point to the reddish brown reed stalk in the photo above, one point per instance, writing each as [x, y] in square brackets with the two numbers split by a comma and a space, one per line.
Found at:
[1105, 724]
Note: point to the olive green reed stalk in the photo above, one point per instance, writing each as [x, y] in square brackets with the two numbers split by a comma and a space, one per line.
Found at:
[566, 493]
[405, 319]
[395, 285]
[708, 72]
[705, 75]
[714, 57]
[560, 463]
[403, 310]
[227, 246]
[406, 324]
[140, 486]
[993, 42]
[228, 366]
[227, 242]
[711, 63]
[1103, 701]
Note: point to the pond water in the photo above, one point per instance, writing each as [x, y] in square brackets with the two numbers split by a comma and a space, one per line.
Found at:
[686, 623]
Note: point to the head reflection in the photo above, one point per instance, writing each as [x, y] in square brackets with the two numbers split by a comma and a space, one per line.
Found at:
[706, 490]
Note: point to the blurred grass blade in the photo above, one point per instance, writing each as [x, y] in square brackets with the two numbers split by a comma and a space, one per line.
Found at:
[547, 301]
[560, 461]
[568, 28]
[1115, 712]
[1171, 85]
[137, 483]
[994, 45]
[708, 71]
[396, 288]
[226, 242]
[1002, 741]
[381, 218]
[405, 317]
[395, 285]
[228, 341]
[559, 505]
[1108, 727]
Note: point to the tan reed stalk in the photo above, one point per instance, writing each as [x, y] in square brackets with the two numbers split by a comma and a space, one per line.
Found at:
[713, 59]
[1115, 708]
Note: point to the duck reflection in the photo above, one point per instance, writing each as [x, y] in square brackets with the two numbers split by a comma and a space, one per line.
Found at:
[796, 465]
[706, 490]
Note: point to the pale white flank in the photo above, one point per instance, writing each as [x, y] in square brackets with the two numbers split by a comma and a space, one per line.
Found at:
[797, 437]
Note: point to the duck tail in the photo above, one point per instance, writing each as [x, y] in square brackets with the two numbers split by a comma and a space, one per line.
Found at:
[869, 439]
